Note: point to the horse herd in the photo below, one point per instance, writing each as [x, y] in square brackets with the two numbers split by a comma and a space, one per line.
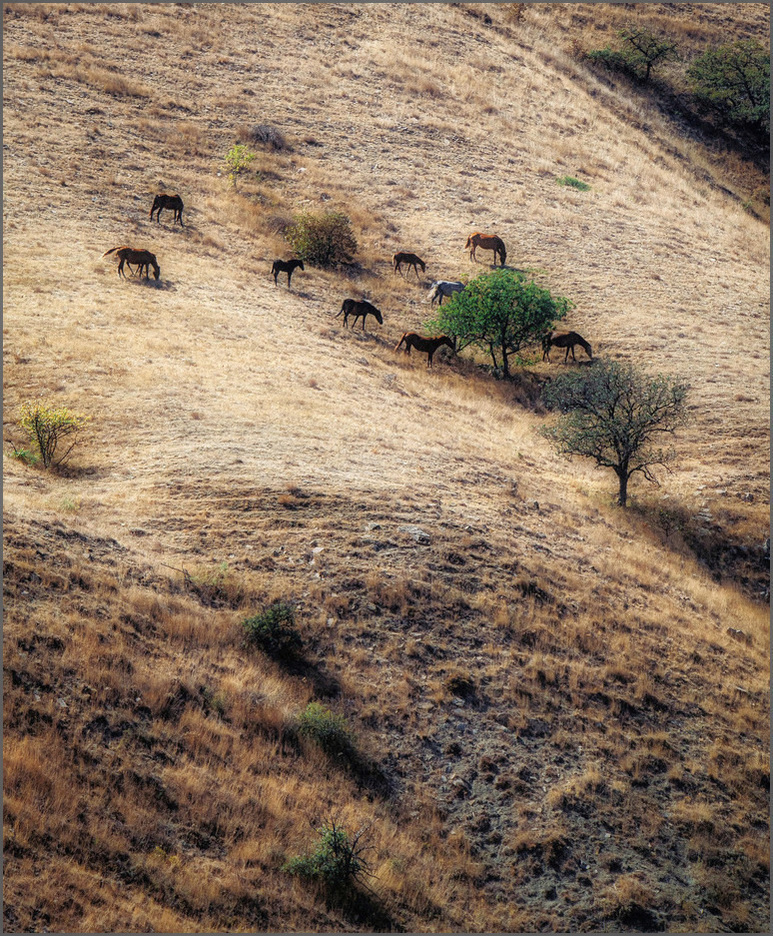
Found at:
[143, 260]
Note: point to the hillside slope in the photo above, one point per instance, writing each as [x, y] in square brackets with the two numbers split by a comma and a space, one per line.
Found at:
[562, 719]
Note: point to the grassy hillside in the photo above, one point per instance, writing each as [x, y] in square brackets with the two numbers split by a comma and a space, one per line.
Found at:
[558, 710]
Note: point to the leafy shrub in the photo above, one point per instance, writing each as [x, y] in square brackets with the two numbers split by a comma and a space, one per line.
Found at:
[573, 183]
[47, 426]
[325, 239]
[238, 160]
[326, 729]
[273, 631]
[338, 860]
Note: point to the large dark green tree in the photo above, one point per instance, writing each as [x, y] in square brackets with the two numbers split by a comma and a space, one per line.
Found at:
[734, 79]
[616, 415]
[501, 313]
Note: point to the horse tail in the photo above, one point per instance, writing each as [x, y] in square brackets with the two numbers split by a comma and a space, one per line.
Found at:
[397, 346]
[112, 250]
[469, 243]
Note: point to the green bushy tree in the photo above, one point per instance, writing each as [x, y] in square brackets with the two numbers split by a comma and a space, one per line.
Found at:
[501, 313]
[734, 79]
[641, 51]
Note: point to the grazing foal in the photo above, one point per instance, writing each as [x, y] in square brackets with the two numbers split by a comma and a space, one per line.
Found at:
[430, 345]
[410, 259]
[173, 202]
[564, 340]
[286, 266]
[128, 255]
[486, 242]
[357, 309]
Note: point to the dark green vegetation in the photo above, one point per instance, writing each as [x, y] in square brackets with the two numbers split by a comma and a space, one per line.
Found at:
[501, 313]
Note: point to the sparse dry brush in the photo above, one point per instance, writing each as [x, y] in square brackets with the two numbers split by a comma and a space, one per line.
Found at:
[547, 713]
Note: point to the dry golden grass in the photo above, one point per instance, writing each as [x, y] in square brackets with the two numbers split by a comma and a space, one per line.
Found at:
[561, 717]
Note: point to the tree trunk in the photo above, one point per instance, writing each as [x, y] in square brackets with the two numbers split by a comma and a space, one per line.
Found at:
[622, 498]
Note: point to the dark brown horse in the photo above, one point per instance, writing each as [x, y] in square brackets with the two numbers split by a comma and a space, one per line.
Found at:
[430, 345]
[143, 258]
[410, 259]
[173, 202]
[357, 309]
[486, 242]
[286, 266]
[564, 340]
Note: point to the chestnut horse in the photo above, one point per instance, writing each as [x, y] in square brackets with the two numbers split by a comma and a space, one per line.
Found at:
[430, 345]
[286, 266]
[357, 309]
[129, 255]
[486, 242]
[564, 340]
[173, 202]
[410, 259]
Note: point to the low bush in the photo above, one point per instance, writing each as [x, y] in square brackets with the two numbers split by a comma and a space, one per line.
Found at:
[325, 239]
[326, 729]
[47, 426]
[265, 135]
[273, 631]
[338, 860]
[573, 183]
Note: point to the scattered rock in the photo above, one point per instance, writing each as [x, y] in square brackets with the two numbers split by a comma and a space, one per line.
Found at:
[416, 532]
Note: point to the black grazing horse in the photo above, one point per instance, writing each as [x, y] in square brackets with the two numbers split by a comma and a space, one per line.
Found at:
[173, 202]
[128, 255]
[357, 309]
[286, 266]
[564, 340]
[410, 260]
[430, 345]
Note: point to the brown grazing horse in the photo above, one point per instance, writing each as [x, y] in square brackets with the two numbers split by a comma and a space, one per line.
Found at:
[286, 266]
[357, 309]
[430, 345]
[486, 242]
[410, 259]
[129, 255]
[564, 340]
[173, 202]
